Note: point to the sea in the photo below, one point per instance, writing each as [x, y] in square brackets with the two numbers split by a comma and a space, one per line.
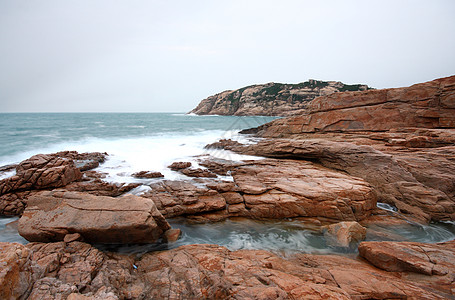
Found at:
[152, 141]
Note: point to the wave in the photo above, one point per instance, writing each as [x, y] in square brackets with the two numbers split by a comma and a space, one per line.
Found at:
[146, 153]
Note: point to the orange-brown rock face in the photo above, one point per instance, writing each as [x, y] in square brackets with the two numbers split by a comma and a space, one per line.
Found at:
[401, 141]
[209, 272]
[425, 105]
[271, 189]
[68, 169]
[40, 172]
[428, 259]
[420, 183]
[50, 216]
[16, 275]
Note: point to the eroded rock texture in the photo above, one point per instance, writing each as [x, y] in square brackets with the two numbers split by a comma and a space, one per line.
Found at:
[268, 189]
[50, 216]
[212, 272]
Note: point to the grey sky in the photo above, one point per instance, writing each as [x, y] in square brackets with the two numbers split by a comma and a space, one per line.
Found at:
[166, 56]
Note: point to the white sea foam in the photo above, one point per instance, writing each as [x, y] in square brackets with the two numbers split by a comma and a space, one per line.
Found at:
[152, 153]
[7, 174]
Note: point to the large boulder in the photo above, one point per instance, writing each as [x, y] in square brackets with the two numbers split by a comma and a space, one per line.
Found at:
[50, 216]
[41, 171]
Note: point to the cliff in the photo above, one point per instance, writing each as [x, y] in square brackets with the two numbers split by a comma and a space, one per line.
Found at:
[424, 105]
[271, 99]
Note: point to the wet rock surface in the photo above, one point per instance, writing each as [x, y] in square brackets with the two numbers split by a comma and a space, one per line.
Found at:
[213, 272]
[50, 216]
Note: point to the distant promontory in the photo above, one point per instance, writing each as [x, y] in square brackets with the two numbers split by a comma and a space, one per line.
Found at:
[271, 99]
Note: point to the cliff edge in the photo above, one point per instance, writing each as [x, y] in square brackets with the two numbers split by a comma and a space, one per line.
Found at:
[271, 99]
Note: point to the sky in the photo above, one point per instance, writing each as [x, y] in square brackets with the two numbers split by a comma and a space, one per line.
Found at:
[166, 56]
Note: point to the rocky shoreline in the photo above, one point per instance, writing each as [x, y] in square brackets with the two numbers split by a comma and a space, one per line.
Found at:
[329, 166]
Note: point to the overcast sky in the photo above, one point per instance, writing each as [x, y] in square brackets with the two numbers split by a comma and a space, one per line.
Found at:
[166, 56]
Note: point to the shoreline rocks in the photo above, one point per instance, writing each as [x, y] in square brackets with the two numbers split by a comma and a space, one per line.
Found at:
[50, 216]
[208, 272]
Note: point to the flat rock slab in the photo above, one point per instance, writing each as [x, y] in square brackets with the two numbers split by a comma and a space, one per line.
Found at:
[291, 188]
[50, 216]
[428, 259]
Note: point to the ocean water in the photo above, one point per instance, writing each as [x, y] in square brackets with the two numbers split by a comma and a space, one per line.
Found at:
[152, 141]
[134, 141]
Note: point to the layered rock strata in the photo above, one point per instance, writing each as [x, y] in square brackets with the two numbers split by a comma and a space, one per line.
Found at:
[424, 105]
[268, 189]
[401, 141]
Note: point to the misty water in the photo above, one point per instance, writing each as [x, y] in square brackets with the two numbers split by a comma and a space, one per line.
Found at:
[137, 142]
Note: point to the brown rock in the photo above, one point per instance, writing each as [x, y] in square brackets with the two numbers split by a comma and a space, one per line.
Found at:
[147, 174]
[374, 110]
[41, 172]
[81, 271]
[172, 235]
[177, 198]
[289, 188]
[16, 276]
[71, 237]
[179, 165]
[420, 184]
[198, 173]
[428, 259]
[345, 234]
[50, 216]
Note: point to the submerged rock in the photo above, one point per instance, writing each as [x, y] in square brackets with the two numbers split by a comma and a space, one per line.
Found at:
[50, 216]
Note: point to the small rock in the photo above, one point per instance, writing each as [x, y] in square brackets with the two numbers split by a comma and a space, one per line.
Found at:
[147, 174]
[71, 237]
[172, 235]
[345, 234]
[179, 165]
[198, 173]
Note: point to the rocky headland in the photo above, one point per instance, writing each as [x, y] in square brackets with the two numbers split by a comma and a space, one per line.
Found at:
[271, 99]
[328, 166]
